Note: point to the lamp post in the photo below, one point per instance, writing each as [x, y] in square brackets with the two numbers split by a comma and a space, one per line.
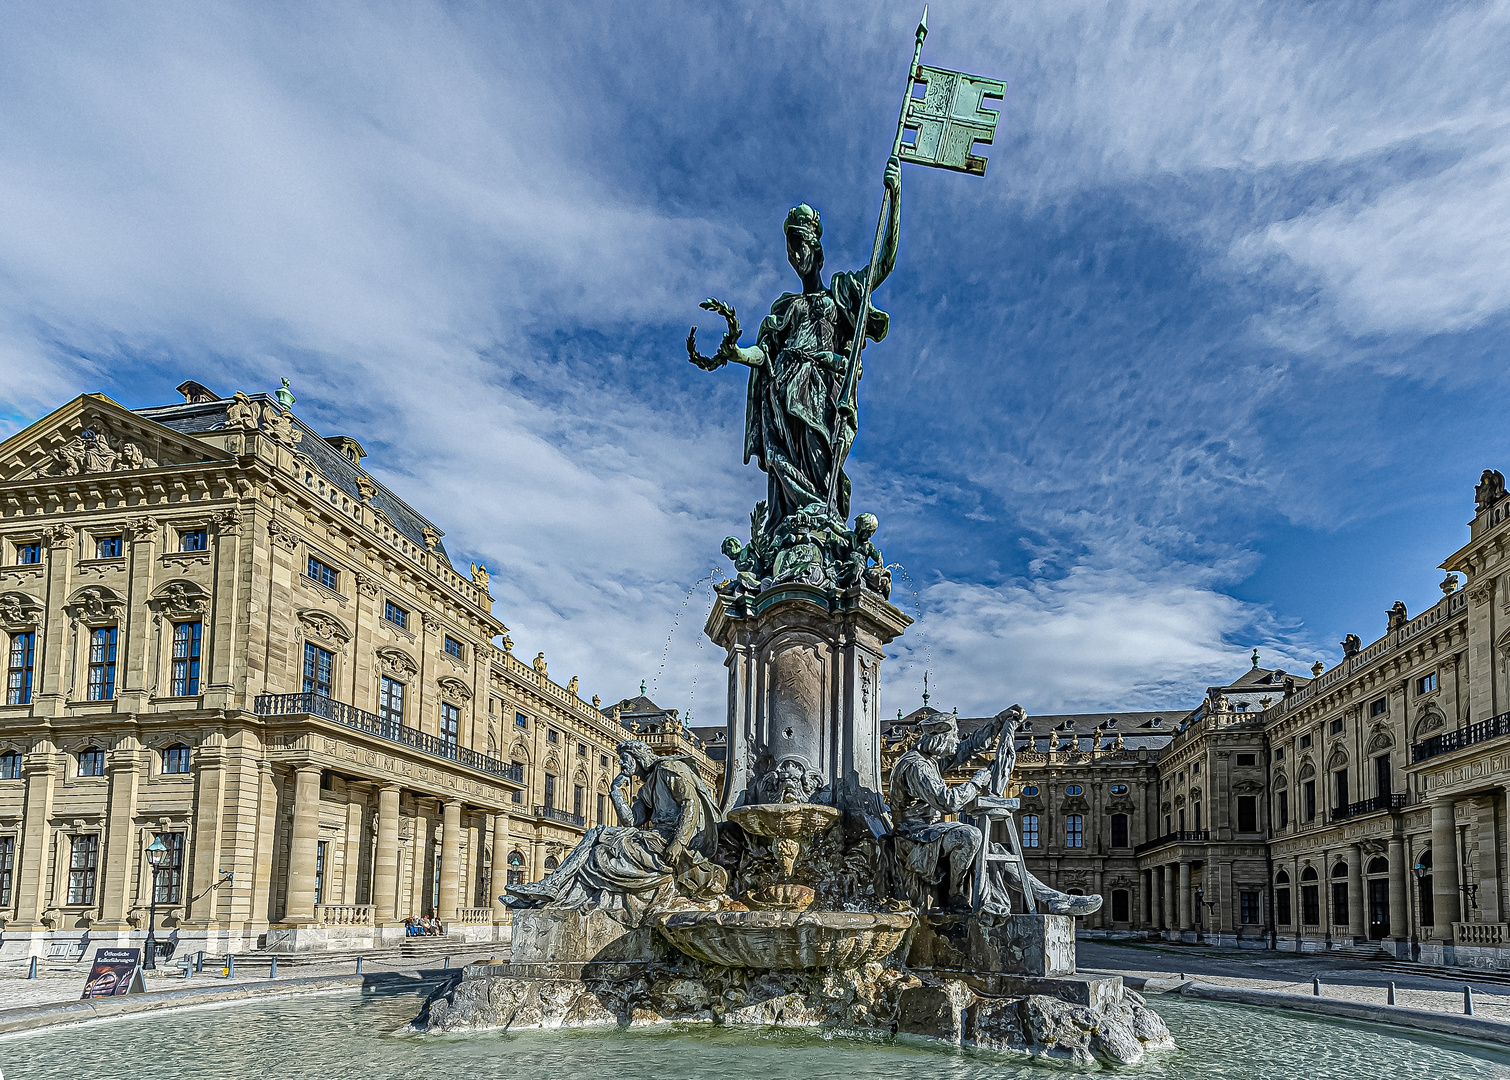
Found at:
[1201, 901]
[155, 852]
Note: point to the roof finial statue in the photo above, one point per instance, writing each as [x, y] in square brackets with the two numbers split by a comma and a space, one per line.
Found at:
[642, 688]
[285, 396]
[1255, 658]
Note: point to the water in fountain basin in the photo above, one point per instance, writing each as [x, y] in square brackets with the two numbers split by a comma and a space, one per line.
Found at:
[347, 1037]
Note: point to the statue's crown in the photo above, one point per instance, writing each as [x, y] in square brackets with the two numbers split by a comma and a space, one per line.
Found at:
[804, 217]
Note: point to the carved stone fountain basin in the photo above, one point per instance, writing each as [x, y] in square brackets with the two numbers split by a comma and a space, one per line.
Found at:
[785, 821]
[786, 940]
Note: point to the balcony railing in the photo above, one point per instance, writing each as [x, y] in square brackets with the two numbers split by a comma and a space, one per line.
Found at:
[1449, 741]
[559, 815]
[1187, 837]
[1370, 806]
[338, 712]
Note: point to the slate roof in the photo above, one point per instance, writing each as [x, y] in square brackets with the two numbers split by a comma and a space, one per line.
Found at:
[333, 465]
[1152, 730]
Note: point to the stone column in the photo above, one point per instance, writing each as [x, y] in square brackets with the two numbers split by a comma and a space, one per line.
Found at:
[422, 876]
[1444, 869]
[385, 859]
[42, 769]
[1399, 877]
[1356, 901]
[450, 858]
[1171, 904]
[352, 844]
[267, 844]
[1145, 900]
[120, 835]
[302, 846]
[209, 802]
[1488, 861]
[1184, 899]
[500, 867]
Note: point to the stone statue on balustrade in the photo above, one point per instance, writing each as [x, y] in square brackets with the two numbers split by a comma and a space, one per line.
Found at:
[661, 852]
[933, 853]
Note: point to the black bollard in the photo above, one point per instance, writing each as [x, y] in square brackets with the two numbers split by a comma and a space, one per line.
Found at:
[1391, 993]
[230, 965]
[447, 963]
[1467, 1001]
[1315, 985]
[199, 962]
[272, 968]
[359, 965]
[31, 972]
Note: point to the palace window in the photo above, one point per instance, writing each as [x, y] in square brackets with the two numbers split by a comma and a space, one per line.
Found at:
[325, 574]
[1279, 753]
[577, 796]
[1120, 905]
[193, 540]
[1377, 708]
[395, 614]
[10, 768]
[107, 547]
[1426, 683]
[1074, 831]
[1197, 808]
[581, 749]
[1339, 895]
[1308, 792]
[1119, 789]
[321, 847]
[1030, 790]
[1305, 742]
[185, 674]
[1336, 726]
[1283, 799]
[552, 735]
[1029, 830]
[602, 808]
[102, 663]
[1246, 760]
[1282, 898]
[391, 701]
[92, 762]
[1310, 898]
[450, 724]
[521, 721]
[7, 868]
[1247, 905]
[516, 868]
[319, 670]
[18, 676]
[83, 862]
[29, 554]
[550, 863]
[550, 792]
[176, 759]
[516, 796]
[1119, 831]
[170, 872]
[1339, 789]
[1247, 813]
[455, 648]
[1074, 789]
[603, 760]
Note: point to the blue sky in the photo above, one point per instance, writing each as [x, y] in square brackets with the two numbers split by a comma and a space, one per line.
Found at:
[1210, 359]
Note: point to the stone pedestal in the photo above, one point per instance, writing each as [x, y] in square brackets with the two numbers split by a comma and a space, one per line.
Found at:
[804, 677]
[548, 943]
[1040, 946]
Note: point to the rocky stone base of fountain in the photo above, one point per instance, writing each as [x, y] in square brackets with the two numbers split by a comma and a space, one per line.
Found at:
[1104, 1021]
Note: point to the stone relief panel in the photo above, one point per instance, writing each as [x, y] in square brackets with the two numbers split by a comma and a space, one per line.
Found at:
[794, 721]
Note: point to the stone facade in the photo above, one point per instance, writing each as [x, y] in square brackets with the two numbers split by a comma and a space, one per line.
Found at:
[221, 630]
[1362, 807]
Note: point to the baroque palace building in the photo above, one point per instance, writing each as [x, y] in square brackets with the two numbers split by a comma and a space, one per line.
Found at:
[222, 632]
[1360, 808]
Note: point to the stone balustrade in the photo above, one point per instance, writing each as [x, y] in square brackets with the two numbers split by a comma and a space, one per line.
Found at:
[1484, 934]
[344, 914]
[474, 916]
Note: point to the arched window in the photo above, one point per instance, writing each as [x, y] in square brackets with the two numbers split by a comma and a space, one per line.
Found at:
[1074, 789]
[1310, 897]
[1120, 905]
[516, 868]
[1030, 790]
[1378, 866]
[10, 765]
[1282, 898]
[1282, 878]
[1308, 874]
[1119, 830]
[92, 762]
[1119, 789]
[550, 863]
[176, 759]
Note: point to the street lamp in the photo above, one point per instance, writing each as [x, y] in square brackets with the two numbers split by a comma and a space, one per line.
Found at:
[155, 852]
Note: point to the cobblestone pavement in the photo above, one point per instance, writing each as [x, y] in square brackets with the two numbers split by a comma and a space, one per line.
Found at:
[59, 980]
[1435, 989]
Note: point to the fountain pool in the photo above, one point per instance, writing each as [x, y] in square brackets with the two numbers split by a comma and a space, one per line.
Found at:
[341, 1036]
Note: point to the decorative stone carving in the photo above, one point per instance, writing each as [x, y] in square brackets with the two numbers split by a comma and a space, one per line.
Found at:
[325, 626]
[396, 663]
[1482, 591]
[1397, 616]
[1490, 490]
[61, 535]
[90, 452]
[432, 537]
[367, 585]
[226, 520]
[143, 527]
[454, 688]
[366, 489]
[96, 604]
[572, 686]
[1352, 645]
[180, 599]
[1430, 718]
[480, 576]
[279, 426]
[19, 611]
[539, 665]
[241, 413]
[283, 535]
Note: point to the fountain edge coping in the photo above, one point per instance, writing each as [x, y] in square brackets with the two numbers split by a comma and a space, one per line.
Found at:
[32, 1018]
[1478, 1029]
